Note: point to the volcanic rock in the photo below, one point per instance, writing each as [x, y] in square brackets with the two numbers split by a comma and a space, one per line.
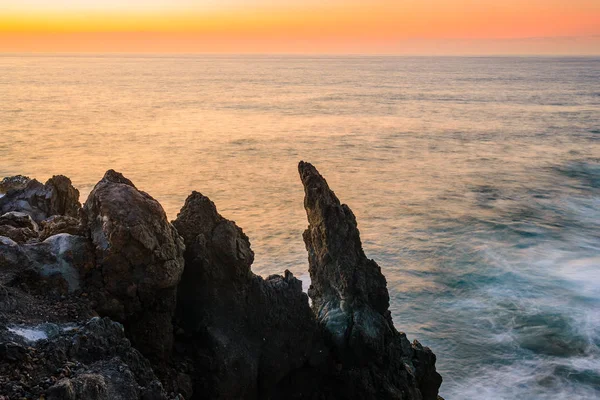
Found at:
[246, 333]
[56, 197]
[19, 227]
[139, 262]
[350, 300]
[16, 182]
[60, 224]
[89, 361]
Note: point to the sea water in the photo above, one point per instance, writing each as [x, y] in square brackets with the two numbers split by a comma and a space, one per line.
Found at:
[475, 182]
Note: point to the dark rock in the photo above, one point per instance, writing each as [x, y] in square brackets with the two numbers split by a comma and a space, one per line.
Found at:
[247, 333]
[60, 224]
[63, 197]
[18, 220]
[91, 361]
[56, 197]
[11, 351]
[11, 183]
[19, 235]
[139, 262]
[13, 260]
[350, 299]
[50, 266]
[60, 256]
[18, 227]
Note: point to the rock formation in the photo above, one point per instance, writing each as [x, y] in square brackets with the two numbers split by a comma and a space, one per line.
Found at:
[247, 333]
[139, 261]
[56, 197]
[16, 182]
[350, 301]
[57, 224]
[189, 302]
[91, 361]
[18, 226]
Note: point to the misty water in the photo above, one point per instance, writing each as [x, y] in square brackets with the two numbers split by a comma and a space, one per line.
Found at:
[475, 182]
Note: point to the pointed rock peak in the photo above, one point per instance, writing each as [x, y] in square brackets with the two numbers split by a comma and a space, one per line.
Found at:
[113, 176]
[59, 180]
[198, 216]
[222, 238]
[348, 290]
[315, 187]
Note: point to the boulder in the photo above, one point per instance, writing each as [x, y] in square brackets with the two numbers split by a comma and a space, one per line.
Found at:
[18, 226]
[60, 224]
[13, 260]
[56, 197]
[350, 300]
[51, 266]
[10, 183]
[139, 262]
[63, 257]
[246, 333]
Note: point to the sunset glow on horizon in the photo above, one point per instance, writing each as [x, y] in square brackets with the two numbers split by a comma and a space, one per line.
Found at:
[334, 26]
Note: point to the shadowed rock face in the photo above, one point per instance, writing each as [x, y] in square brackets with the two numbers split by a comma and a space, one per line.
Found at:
[139, 261]
[350, 300]
[246, 333]
[56, 197]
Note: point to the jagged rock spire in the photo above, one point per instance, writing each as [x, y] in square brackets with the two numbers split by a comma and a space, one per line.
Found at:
[348, 290]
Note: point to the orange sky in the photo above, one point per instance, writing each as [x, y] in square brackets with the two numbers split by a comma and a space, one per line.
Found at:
[307, 26]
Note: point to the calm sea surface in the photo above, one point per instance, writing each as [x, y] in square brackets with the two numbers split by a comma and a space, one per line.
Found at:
[475, 181]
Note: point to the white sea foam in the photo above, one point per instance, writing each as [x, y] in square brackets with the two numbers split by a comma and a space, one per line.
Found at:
[305, 279]
[30, 334]
[523, 380]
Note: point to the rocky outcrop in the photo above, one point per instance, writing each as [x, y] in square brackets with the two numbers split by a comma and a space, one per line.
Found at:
[350, 300]
[139, 262]
[92, 361]
[246, 334]
[56, 197]
[53, 265]
[57, 224]
[188, 301]
[19, 227]
[11, 183]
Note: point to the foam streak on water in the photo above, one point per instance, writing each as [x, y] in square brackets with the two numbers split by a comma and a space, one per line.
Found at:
[475, 181]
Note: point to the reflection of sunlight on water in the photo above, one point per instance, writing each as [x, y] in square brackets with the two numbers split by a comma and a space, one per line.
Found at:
[476, 194]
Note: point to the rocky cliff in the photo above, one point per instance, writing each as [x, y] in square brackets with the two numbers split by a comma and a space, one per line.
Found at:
[113, 301]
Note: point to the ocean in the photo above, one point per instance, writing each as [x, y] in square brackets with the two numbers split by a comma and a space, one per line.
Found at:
[475, 182]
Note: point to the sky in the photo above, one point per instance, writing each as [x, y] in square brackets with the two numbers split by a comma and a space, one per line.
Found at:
[302, 26]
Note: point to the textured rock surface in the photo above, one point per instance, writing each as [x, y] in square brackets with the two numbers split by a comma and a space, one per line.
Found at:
[16, 182]
[61, 256]
[89, 361]
[139, 262]
[246, 334]
[350, 300]
[237, 335]
[56, 197]
[50, 266]
[18, 226]
[60, 224]
[13, 260]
